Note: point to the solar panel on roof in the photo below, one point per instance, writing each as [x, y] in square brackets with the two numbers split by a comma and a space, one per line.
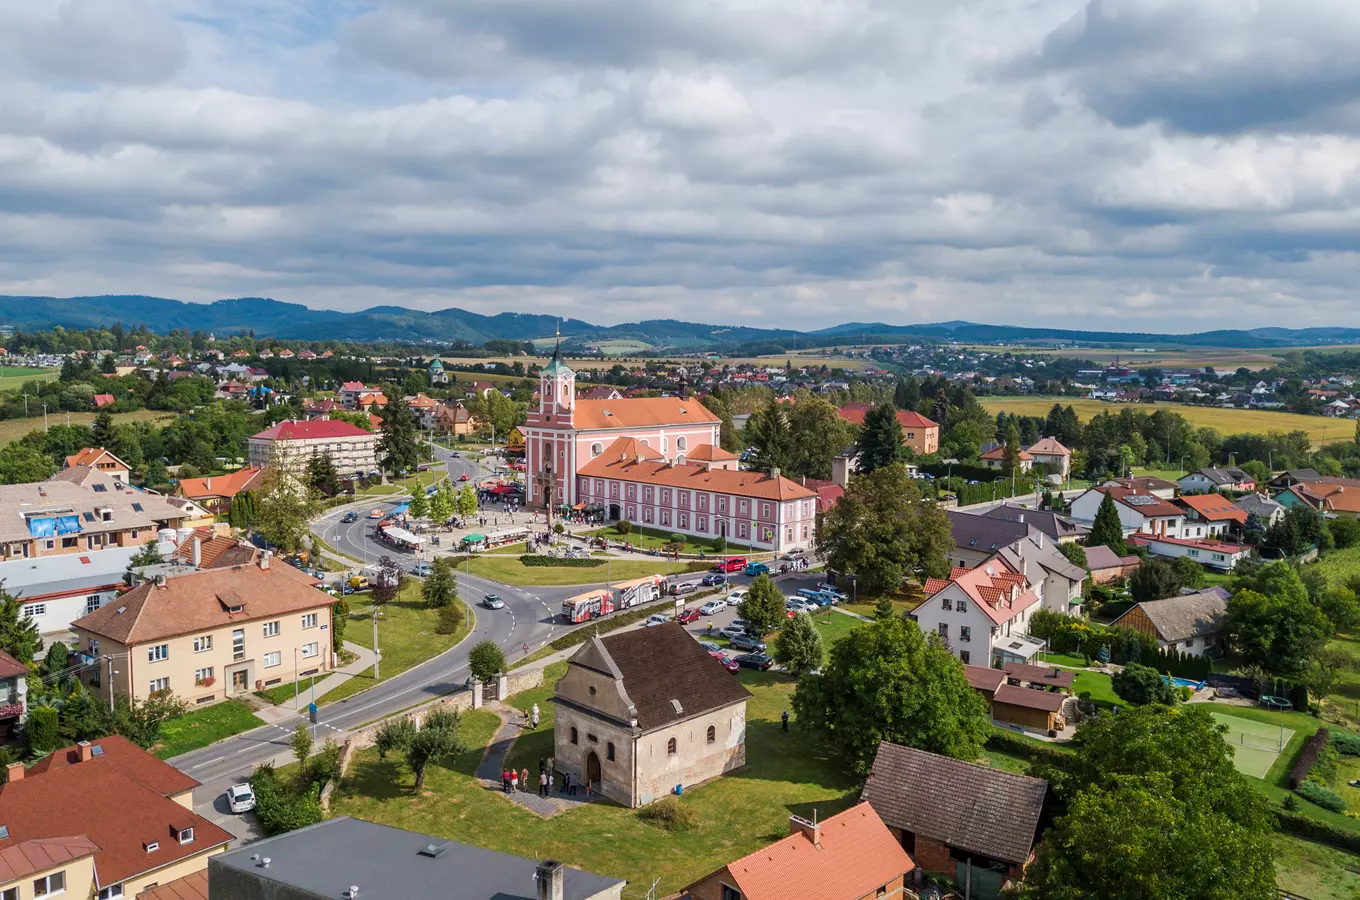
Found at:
[1141, 501]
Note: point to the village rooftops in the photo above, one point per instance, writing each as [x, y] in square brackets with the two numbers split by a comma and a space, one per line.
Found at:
[227, 486]
[984, 534]
[639, 412]
[1213, 507]
[202, 601]
[51, 509]
[1187, 616]
[855, 413]
[1148, 505]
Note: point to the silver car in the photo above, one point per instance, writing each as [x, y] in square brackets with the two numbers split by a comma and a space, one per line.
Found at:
[491, 601]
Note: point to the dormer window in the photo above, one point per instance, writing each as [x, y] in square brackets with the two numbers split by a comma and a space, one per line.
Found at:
[186, 836]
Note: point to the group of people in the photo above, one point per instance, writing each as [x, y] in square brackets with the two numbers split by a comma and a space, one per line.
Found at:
[512, 781]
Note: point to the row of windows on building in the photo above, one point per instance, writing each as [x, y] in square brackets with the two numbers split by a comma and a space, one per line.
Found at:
[649, 495]
[711, 736]
[204, 642]
[68, 542]
[206, 676]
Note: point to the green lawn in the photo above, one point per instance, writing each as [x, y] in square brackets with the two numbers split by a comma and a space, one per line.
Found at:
[204, 726]
[1344, 700]
[509, 570]
[649, 538]
[1164, 474]
[833, 627]
[1316, 871]
[1341, 565]
[283, 693]
[533, 745]
[406, 634]
[1065, 659]
[786, 773]
[1102, 694]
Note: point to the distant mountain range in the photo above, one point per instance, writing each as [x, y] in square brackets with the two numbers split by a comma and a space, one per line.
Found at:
[292, 321]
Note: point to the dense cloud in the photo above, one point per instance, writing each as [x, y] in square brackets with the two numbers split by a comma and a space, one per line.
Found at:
[1159, 164]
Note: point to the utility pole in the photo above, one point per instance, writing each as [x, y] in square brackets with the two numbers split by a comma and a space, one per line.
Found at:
[377, 654]
[44, 417]
[295, 678]
[110, 662]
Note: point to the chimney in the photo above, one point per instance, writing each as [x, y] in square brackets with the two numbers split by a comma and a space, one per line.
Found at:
[551, 877]
[207, 485]
[14, 772]
[86, 750]
[198, 553]
[809, 829]
[774, 472]
[264, 560]
[160, 580]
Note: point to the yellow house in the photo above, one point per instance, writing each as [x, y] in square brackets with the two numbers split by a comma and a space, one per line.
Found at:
[208, 635]
[100, 820]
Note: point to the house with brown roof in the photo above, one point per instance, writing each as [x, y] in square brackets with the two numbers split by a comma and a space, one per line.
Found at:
[972, 823]
[1190, 623]
[982, 614]
[1049, 454]
[215, 492]
[919, 433]
[101, 460]
[1339, 496]
[455, 418]
[850, 856]
[102, 819]
[209, 635]
[1209, 515]
[1147, 484]
[1022, 696]
[642, 712]
[995, 458]
[1106, 565]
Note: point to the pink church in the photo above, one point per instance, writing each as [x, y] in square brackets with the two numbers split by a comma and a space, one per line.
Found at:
[656, 462]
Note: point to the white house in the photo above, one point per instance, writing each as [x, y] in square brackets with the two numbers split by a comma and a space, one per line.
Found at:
[1139, 511]
[1190, 623]
[1213, 478]
[982, 614]
[1219, 555]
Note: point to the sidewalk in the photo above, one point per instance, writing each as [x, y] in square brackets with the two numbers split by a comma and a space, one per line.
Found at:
[276, 713]
[493, 764]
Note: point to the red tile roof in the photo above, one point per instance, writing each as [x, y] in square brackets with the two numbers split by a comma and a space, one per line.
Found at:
[709, 453]
[128, 758]
[1000, 592]
[1000, 453]
[21, 860]
[190, 887]
[103, 400]
[1048, 447]
[1214, 507]
[11, 667]
[227, 486]
[111, 803]
[88, 456]
[854, 413]
[639, 412]
[857, 855]
[692, 476]
[314, 429]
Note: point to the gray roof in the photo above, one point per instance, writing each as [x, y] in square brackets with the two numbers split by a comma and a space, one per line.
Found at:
[1222, 475]
[1050, 523]
[19, 503]
[965, 805]
[1191, 615]
[1258, 504]
[326, 859]
[1102, 557]
[983, 534]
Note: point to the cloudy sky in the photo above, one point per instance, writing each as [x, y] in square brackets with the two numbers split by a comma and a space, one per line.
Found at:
[1169, 165]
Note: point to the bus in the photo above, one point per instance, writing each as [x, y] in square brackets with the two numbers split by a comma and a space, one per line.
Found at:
[585, 607]
[640, 591]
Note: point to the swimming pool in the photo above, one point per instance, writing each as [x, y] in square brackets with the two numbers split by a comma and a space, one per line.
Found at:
[1184, 682]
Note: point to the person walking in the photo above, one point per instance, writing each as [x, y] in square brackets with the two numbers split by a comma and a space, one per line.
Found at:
[542, 784]
[505, 780]
[524, 781]
[535, 715]
[514, 781]
[550, 785]
[784, 719]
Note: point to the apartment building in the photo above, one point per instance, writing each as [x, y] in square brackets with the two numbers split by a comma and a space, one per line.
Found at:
[209, 635]
[101, 820]
[292, 443]
[50, 518]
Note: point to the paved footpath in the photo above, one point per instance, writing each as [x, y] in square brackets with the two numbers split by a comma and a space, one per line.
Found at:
[493, 764]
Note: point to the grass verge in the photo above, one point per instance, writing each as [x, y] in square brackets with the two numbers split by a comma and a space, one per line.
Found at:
[509, 570]
[282, 693]
[205, 726]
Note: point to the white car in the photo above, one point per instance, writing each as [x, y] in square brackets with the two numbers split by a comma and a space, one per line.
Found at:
[712, 607]
[657, 619]
[798, 605]
[735, 597]
[240, 798]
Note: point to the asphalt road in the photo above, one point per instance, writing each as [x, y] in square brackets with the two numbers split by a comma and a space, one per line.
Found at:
[528, 619]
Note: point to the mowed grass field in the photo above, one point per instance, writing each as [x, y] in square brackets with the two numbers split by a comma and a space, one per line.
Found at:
[1221, 358]
[1228, 421]
[12, 378]
[13, 429]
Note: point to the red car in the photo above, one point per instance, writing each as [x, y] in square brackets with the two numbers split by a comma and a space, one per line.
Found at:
[728, 664]
[689, 615]
[464, 477]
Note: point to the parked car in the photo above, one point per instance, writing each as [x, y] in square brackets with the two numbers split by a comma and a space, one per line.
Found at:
[683, 587]
[744, 625]
[710, 647]
[761, 661]
[728, 663]
[798, 604]
[689, 615]
[713, 580]
[731, 631]
[746, 642]
[712, 607]
[422, 569]
[655, 619]
[756, 568]
[350, 516]
[493, 601]
[816, 598]
[240, 798]
[730, 564]
[834, 591]
[735, 597]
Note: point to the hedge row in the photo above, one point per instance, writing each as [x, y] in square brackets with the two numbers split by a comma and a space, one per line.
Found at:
[565, 562]
[278, 809]
[1322, 796]
[1308, 758]
[1311, 829]
[1003, 741]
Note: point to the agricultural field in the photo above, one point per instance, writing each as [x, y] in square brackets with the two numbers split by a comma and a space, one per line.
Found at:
[1228, 421]
[13, 429]
[12, 378]
[1223, 359]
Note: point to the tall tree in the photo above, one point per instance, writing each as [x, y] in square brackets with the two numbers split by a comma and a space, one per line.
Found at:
[763, 605]
[389, 582]
[1150, 805]
[103, 430]
[18, 632]
[440, 587]
[419, 507]
[817, 434]
[1107, 530]
[907, 393]
[886, 681]
[322, 476]
[465, 503]
[881, 531]
[798, 645]
[769, 438]
[1280, 633]
[283, 506]
[880, 443]
[486, 660]
[1010, 461]
[399, 442]
[1155, 579]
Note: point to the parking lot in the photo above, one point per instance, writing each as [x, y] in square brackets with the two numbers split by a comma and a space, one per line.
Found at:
[788, 584]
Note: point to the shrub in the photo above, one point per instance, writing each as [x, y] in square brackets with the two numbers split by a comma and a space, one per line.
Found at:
[1347, 743]
[534, 559]
[720, 544]
[1309, 828]
[43, 736]
[1322, 796]
[277, 809]
[623, 526]
[669, 814]
[1142, 685]
[1308, 758]
[486, 660]
[450, 619]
